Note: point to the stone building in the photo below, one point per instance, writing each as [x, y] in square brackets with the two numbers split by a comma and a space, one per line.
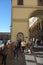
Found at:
[22, 11]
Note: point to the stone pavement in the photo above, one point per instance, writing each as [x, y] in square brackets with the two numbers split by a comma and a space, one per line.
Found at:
[36, 58]
[30, 60]
[39, 57]
[11, 60]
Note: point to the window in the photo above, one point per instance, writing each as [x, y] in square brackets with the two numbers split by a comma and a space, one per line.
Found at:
[20, 2]
[40, 2]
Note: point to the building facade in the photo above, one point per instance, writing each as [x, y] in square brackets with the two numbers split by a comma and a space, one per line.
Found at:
[22, 11]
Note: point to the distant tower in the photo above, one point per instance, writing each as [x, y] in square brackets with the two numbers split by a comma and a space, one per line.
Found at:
[21, 12]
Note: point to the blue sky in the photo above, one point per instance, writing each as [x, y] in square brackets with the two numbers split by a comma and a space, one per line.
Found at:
[5, 15]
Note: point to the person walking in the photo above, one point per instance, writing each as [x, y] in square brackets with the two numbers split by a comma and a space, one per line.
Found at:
[4, 53]
[16, 50]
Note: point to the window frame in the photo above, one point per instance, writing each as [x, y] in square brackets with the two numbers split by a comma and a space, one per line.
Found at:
[19, 2]
[40, 2]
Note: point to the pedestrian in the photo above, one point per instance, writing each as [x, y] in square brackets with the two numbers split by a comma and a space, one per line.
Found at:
[23, 45]
[4, 53]
[19, 43]
[16, 50]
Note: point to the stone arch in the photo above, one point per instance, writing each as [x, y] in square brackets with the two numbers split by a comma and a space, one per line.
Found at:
[20, 35]
[37, 13]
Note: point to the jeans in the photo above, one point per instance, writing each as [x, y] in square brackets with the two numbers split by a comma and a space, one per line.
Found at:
[4, 59]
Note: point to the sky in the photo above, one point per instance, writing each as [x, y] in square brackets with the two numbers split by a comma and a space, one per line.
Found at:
[5, 15]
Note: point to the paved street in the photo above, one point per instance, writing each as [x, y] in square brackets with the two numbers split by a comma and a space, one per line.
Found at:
[39, 57]
[11, 60]
[30, 60]
[35, 58]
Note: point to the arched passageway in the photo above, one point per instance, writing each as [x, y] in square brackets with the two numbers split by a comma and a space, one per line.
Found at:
[36, 24]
